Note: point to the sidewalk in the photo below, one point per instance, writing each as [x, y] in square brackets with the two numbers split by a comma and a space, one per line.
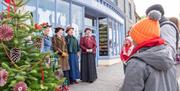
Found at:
[110, 78]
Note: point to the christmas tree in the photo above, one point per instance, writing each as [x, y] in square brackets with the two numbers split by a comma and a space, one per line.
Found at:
[22, 65]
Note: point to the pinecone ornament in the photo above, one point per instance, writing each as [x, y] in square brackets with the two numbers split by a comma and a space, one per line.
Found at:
[38, 43]
[59, 74]
[15, 54]
[1, 15]
[6, 33]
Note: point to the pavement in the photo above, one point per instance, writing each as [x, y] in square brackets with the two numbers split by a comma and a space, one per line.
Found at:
[110, 78]
[178, 73]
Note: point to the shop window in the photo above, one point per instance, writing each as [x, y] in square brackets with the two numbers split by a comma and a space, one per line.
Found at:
[111, 37]
[90, 21]
[122, 33]
[1, 6]
[77, 19]
[118, 38]
[114, 39]
[31, 6]
[62, 13]
[103, 37]
[46, 14]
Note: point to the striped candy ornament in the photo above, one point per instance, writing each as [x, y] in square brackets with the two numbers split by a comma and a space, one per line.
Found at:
[6, 33]
[20, 86]
[3, 77]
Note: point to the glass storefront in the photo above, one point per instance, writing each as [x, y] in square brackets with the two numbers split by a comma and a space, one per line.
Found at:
[110, 30]
[46, 14]
[118, 38]
[103, 37]
[1, 6]
[62, 13]
[114, 39]
[90, 22]
[30, 7]
[109, 33]
[77, 20]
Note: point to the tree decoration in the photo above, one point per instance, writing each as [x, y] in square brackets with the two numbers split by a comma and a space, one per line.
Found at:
[59, 74]
[20, 86]
[38, 42]
[1, 15]
[3, 77]
[15, 54]
[25, 64]
[38, 27]
[6, 33]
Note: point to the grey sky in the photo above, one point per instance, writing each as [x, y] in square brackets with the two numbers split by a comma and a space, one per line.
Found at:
[172, 7]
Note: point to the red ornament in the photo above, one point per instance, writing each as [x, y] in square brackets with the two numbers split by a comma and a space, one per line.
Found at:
[3, 77]
[6, 33]
[9, 2]
[20, 86]
[42, 73]
[38, 27]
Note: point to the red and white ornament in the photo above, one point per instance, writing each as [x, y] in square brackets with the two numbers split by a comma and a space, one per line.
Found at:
[3, 77]
[6, 32]
[20, 86]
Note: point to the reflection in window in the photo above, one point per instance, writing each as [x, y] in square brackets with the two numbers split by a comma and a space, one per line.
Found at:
[31, 6]
[110, 30]
[103, 37]
[46, 14]
[118, 38]
[77, 19]
[62, 13]
[114, 44]
[122, 30]
[90, 22]
[114, 38]
[1, 6]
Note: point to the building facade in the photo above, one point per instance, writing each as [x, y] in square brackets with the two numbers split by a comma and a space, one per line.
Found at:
[104, 17]
[129, 9]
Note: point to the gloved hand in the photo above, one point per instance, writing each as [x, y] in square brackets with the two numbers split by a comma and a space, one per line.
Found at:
[64, 54]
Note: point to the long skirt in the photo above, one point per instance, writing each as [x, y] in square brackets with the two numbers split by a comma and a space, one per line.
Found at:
[88, 67]
[74, 67]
